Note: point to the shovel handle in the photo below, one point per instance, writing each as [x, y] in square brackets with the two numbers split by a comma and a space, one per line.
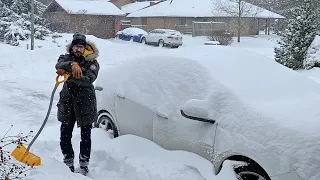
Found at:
[66, 76]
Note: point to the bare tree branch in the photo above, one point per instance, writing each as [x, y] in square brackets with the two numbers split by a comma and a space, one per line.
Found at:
[235, 8]
[9, 169]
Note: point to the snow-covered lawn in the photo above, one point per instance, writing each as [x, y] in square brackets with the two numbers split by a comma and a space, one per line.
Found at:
[27, 78]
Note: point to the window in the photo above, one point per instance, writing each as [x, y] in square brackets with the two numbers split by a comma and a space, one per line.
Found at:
[144, 21]
[182, 21]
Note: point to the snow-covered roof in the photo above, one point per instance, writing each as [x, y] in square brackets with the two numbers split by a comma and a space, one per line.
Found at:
[96, 7]
[129, 8]
[200, 8]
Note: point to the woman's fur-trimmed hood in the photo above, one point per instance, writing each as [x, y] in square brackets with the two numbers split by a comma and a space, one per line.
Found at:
[90, 53]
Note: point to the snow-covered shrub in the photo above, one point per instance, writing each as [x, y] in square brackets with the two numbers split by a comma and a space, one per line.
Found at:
[15, 21]
[313, 54]
[297, 38]
[222, 37]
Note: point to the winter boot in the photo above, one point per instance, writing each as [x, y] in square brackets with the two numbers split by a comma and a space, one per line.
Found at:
[71, 168]
[83, 170]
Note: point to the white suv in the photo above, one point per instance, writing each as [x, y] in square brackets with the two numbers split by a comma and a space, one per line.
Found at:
[163, 37]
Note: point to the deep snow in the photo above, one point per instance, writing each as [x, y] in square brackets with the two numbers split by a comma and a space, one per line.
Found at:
[27, 78]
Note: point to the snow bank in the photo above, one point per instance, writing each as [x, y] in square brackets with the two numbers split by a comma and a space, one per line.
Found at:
[126, 157]
[313, 53]
[212, 43]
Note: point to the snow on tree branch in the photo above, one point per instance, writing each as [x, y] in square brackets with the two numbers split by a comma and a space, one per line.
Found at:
[15, 21]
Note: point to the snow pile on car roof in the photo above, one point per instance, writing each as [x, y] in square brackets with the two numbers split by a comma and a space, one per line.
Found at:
[162, 83]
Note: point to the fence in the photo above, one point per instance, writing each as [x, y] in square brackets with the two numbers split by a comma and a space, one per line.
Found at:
[205, 28]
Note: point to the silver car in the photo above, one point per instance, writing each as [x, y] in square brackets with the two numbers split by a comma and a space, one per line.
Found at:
[163, 38]
[195, 100]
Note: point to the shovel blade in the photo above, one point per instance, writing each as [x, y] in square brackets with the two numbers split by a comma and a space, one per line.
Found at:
[20, 154]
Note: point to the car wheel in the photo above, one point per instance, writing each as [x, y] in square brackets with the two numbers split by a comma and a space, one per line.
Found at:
[131, 39]
[104, 122]
[249, 172]
[161, 43]
[143, 41]
[117, 37]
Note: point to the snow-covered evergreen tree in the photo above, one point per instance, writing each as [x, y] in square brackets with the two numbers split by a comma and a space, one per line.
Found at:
[15, 22]
[298, 36]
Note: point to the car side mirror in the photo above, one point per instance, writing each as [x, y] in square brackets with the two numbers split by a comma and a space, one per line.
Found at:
[98, 88]
[195, 110]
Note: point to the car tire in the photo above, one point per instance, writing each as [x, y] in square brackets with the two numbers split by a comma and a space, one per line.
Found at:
[104, 122]
[131, 39]
[250, 172]
[143, 41]
[117, 37]
[161, 43]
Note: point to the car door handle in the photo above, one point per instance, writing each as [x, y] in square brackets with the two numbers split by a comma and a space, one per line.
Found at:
[161, 115]
[122, 97]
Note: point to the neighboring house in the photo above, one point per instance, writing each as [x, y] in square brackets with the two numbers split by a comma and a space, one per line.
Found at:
[180, 15]
[98, 18]
[129, 8]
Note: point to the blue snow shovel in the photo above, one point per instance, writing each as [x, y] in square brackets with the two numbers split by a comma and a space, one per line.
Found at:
[21, 153]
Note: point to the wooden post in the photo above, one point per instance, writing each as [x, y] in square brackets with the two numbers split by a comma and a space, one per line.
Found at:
[268, 26]
[193, 30]
[32, 24]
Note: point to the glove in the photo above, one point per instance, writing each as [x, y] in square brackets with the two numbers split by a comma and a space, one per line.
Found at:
[61, 72]
[76, 70]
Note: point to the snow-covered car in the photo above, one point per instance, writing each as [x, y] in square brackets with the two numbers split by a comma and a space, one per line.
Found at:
[131, 34]
[222, 103]
[163, 37]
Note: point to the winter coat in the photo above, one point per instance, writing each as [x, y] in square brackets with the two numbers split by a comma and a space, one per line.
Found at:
[79, 94]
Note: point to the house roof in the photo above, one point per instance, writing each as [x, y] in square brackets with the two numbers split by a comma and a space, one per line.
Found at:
[200, 8]
[129, 8]
[93, 7]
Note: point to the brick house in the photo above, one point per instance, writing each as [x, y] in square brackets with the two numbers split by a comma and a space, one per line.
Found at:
[171, 15]
[98, 18]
